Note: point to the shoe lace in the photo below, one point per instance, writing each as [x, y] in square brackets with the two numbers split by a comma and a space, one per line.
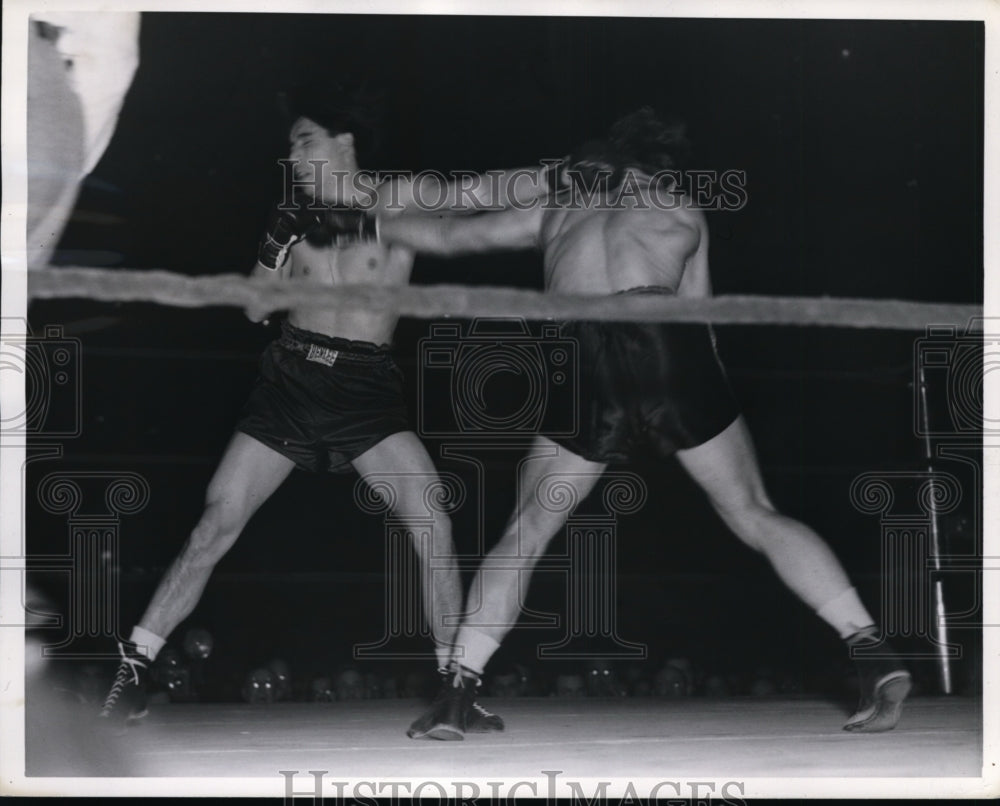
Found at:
[482, 711]
[126, 666]
[133, 664]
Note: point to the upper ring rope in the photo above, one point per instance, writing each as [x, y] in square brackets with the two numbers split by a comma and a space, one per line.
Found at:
[433, 301]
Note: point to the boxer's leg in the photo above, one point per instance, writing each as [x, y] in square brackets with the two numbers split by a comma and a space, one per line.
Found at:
[501, 584]
[402, 461]
[548, 476]
[248, 474]
[246, 477]
[726, 469]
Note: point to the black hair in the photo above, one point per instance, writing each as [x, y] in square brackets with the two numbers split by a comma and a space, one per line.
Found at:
[642, 140]
[338, 108]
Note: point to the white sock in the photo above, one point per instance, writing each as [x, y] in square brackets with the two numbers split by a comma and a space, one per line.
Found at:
[474, 648]
[846, 614]
[147, 643]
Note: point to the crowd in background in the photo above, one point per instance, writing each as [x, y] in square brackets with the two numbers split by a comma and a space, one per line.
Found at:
[186, 673]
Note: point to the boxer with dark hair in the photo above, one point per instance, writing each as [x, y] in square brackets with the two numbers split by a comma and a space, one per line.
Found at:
[338, 108]
[328, 398]
[646, 143]
[656, 387]
[639, 144]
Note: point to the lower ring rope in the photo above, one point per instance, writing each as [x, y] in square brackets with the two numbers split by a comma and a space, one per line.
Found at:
[433, 301]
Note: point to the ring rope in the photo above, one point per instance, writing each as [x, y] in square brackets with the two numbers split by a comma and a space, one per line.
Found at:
[434, 301]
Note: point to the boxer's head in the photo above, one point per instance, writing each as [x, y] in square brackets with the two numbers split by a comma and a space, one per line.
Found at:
[638, 143]
[644, 142]
[339, 122]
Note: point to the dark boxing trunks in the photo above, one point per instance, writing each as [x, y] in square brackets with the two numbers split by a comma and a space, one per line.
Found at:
[324, 401]
[647, 388]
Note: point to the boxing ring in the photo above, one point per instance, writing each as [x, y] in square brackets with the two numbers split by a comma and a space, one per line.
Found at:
[637, 749]
[588, 738]
[123, 285]
[565, 746]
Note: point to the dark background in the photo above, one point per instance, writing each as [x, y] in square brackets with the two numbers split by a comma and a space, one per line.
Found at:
[863, 150]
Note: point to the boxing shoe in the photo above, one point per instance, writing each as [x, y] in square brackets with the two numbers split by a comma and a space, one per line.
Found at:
[126, 700]
[454, 710]
[479, 720]
[884, 682]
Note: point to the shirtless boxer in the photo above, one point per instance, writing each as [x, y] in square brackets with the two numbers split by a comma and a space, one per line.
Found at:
[643, 386]
[328, 397]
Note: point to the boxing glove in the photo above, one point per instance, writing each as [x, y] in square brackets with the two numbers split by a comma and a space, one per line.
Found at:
[286, 226]
[350, 226]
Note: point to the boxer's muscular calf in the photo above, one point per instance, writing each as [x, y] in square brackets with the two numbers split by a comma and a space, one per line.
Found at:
[726, 468]
[247, 476]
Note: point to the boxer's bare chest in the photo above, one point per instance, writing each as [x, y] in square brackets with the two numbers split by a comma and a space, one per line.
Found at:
[365, 264]
[361, 264]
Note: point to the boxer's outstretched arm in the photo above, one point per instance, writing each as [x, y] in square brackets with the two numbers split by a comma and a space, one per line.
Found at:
[447, 235]
[470, 192]
[262, 272]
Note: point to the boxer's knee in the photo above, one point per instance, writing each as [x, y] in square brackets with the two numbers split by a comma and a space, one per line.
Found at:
[517, 549]
[415, 502]
[213, 536]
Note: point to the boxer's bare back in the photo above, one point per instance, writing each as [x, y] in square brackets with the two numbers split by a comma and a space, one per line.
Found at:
[597, 250]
